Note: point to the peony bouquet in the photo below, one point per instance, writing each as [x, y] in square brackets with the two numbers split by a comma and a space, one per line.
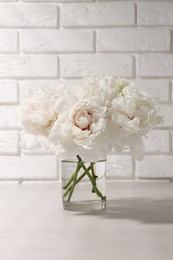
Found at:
[101, 115]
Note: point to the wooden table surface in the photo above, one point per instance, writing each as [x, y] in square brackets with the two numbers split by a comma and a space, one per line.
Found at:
[137, 224]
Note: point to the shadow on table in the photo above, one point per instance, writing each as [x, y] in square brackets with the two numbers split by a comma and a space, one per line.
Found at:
[139, 209]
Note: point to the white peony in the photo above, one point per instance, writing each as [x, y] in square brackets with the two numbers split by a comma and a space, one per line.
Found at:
[85, 130]
[103, 114]
[39, 112]
[107, 88]
[134, 113]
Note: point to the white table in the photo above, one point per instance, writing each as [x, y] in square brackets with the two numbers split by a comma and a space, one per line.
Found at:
[137, 224]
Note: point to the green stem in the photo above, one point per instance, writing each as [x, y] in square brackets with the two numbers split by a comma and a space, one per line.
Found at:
[69, 181]
[93, 175]
[74, 180]
[91, 179]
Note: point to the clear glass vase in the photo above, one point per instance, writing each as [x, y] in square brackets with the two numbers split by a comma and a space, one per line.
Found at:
[83, 185]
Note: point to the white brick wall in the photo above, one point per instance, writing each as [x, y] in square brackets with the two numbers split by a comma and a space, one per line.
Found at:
[81, 65]
[28, 66]
[155, 65]
[155, 13]
[19, 15]
[8, 92]
[54, 40]
[9, 41]
[97, 14]
[9, 142]
[28, 167]
[45, 42]
[133, 39]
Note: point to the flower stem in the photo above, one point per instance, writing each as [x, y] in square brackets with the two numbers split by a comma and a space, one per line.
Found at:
[74, 180]
[69, 181]
[93, 174]
[91, 179]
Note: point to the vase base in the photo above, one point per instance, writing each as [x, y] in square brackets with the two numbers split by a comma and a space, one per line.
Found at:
[84, 206]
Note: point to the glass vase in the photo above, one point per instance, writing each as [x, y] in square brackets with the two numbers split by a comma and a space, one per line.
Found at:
[83, 185]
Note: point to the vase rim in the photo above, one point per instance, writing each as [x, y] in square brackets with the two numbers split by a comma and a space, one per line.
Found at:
[75, 161]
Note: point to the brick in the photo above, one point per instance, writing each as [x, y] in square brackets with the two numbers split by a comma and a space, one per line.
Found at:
[97, 14]
[119, 167]
[155, 13]
[155, 167]
[9, 41]
[8, 117]
[166, 111]
[157, 141]
[28, 15]
[159, 88]
[155, 65]
[27, 168]
[29, 86]
[8, 90]
[133, 39]
[80, 65]
[28, 66]
[9, 142]
[56, 40]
